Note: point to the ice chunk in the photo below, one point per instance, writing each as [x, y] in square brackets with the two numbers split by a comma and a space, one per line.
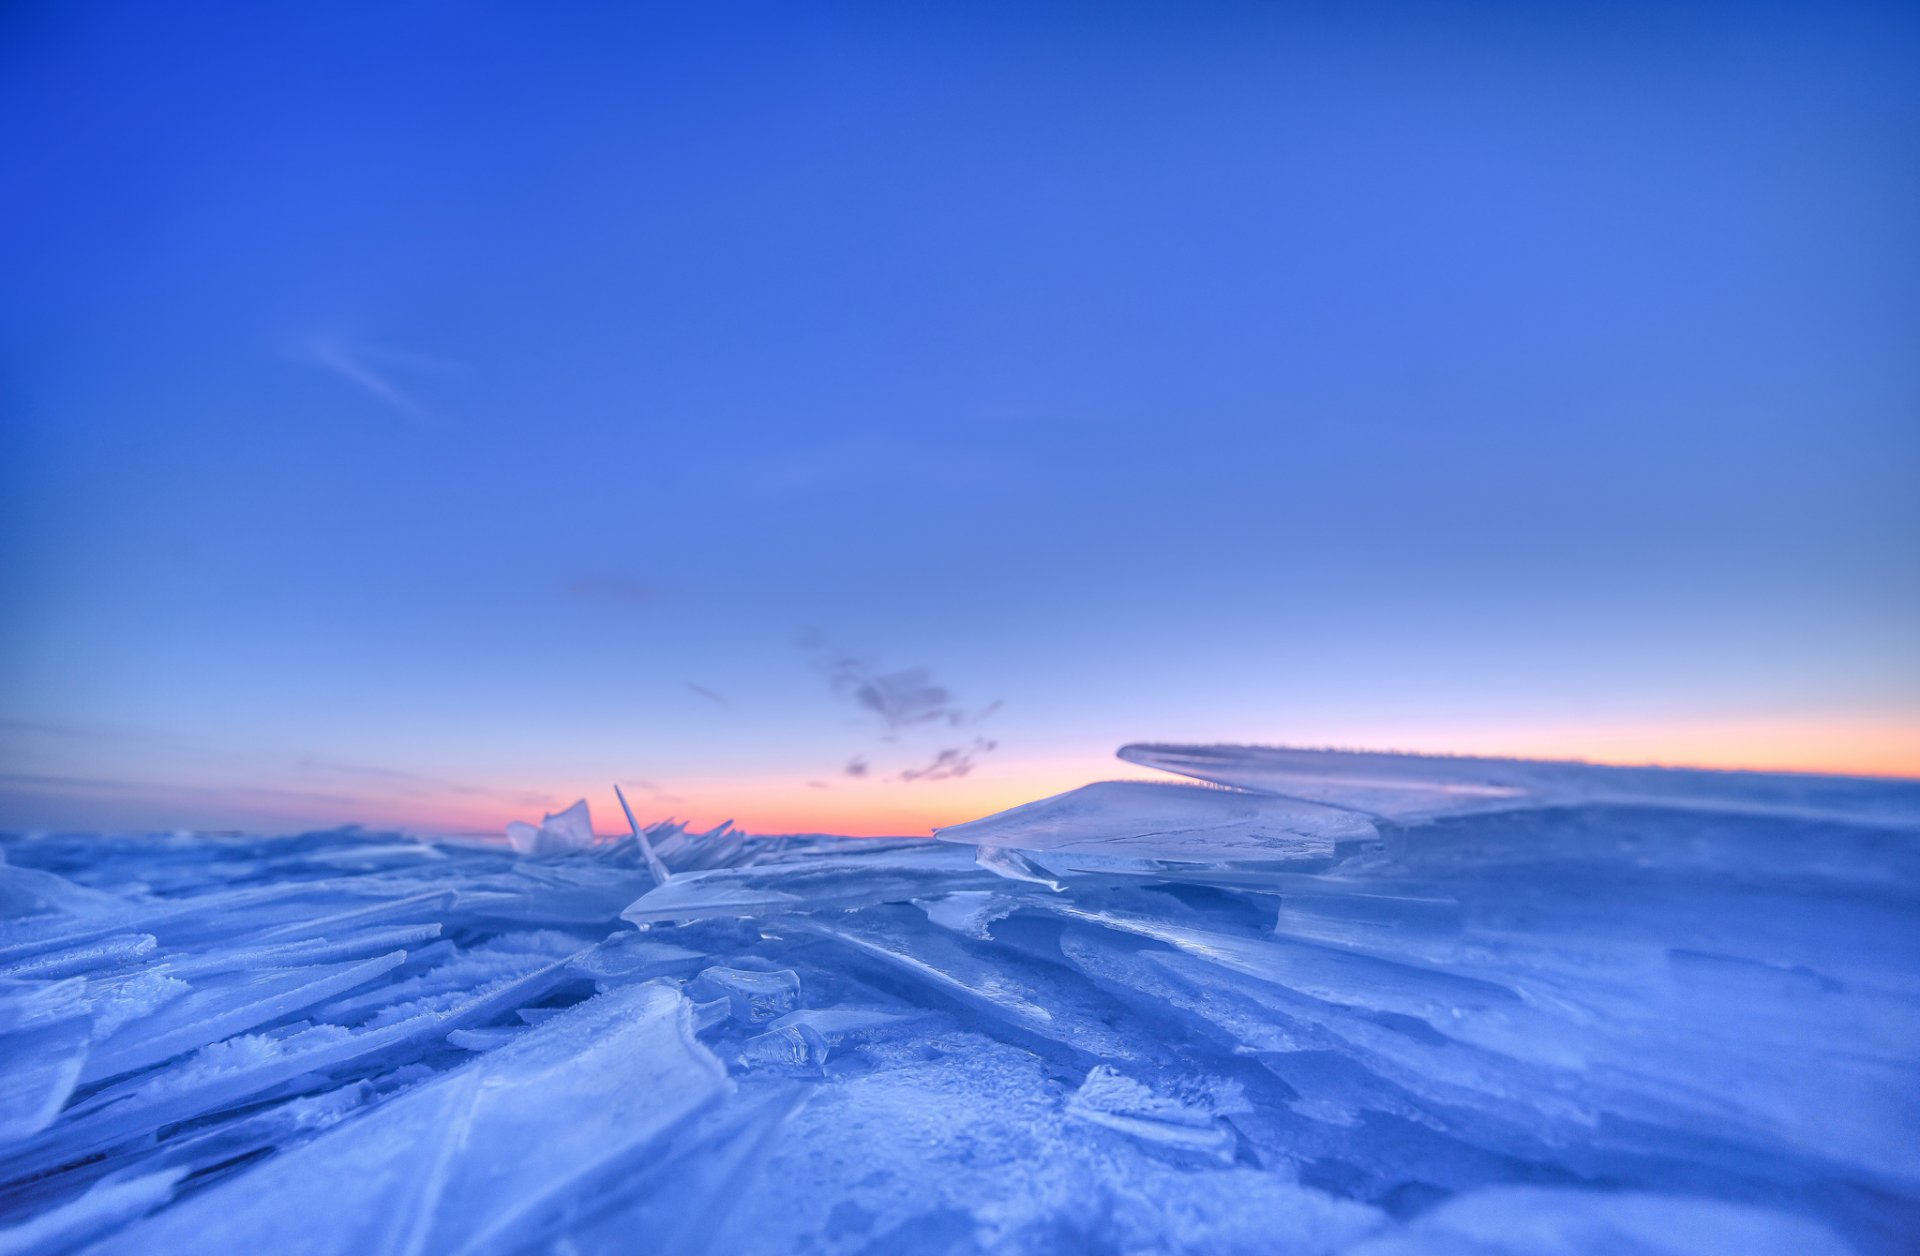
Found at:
[844, 1024]
[753, 998]
[1118, 1102]
[1011, 864]
[968, 912]
[483, 1039]
[630, 956]
[796, 1049]
[559, 833]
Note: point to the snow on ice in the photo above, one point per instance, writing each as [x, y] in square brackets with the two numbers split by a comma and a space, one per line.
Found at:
[1318, 1003]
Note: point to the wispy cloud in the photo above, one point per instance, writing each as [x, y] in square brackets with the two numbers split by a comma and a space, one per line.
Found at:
[352, 367]
[903, 701]
[905, 698]
[707, 693]
[950, 763]
[372, 368]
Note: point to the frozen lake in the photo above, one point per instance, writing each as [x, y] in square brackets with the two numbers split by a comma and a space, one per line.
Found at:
[1319, 1003]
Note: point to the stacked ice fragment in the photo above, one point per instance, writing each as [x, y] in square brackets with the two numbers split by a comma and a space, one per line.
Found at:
[1322, 1003]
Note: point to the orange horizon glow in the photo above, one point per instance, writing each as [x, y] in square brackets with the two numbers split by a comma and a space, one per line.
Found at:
[1889, 749]
[762, 803]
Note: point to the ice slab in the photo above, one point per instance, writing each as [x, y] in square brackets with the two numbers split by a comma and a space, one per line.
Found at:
[45, 1028]
[811, 883]
[1418, 787]
[1116, 825]
[491, 1156]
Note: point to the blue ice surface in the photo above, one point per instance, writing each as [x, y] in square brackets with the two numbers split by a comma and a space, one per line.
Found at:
[1322, 1003]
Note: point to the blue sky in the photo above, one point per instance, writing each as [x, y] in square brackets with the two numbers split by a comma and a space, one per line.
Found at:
[410, 408]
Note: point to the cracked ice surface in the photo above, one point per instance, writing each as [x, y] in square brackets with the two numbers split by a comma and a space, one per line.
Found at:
[1324, 1003]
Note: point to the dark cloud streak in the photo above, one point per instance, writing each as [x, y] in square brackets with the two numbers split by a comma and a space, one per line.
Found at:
[950, 763]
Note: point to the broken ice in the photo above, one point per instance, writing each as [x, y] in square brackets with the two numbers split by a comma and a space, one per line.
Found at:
[568, 830]
[1321, 1003]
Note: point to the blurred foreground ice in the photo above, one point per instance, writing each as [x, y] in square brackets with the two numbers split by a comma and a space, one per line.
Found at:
[1329, 1003]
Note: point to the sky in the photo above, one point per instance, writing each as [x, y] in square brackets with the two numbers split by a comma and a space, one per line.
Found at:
[864, 417]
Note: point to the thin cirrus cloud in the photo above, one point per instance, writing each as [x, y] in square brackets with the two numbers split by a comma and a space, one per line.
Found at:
[371, 369]
[708, 694]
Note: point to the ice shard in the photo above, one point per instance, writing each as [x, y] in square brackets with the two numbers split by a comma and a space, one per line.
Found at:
[559, 833]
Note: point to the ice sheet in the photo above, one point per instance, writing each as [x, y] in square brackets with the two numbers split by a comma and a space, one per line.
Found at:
[1366, 1004]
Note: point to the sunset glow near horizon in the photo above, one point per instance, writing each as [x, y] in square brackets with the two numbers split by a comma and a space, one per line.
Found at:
[850, 420]
[895, 808]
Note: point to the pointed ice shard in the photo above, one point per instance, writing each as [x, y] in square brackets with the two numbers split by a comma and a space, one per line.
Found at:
[657, 868]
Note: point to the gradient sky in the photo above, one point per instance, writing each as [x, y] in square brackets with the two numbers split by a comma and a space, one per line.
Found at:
[422, 413]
